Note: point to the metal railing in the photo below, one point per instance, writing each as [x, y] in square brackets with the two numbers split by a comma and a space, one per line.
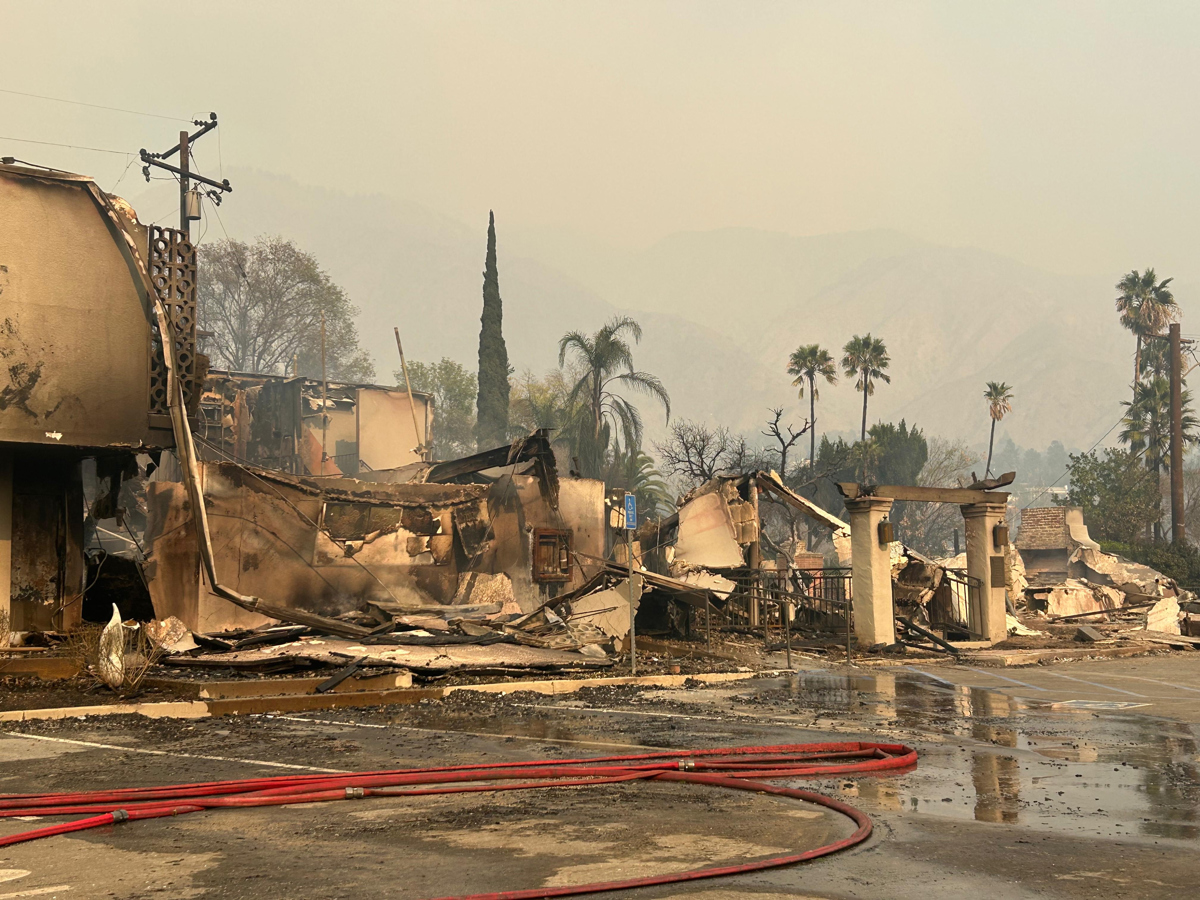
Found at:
[956, 608]
[813, 600]
[827, 598]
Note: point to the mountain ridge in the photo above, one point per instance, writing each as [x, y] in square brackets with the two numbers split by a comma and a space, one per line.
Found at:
[721, 310]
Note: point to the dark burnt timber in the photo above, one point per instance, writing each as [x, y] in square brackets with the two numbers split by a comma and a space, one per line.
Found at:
[535, 448]
[852, 491]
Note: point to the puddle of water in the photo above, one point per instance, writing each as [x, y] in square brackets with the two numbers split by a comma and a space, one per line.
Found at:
[1037, 764]
[989, 757]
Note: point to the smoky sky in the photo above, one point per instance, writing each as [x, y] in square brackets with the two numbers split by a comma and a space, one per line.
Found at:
[1062, 134]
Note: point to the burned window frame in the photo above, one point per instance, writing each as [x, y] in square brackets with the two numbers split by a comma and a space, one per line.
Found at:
[564, 543]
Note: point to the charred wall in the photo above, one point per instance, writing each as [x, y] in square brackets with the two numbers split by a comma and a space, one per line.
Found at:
[75, 333]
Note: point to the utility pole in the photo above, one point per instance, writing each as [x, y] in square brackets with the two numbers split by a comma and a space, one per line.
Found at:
[1177, 528]
[189, 201]
[630, 526]
[324, 398]
[184, 185]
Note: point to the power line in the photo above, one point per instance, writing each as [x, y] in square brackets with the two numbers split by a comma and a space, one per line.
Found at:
[68, 146]
[124, 173]
[219, 221]
[132, 112]
[1069, 468]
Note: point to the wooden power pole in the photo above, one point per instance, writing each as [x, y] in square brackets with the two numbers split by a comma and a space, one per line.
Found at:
[189, 204]
[1177, 529]
[185, 184]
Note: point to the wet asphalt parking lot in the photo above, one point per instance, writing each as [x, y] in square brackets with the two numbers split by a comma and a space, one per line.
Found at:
[1073, 780]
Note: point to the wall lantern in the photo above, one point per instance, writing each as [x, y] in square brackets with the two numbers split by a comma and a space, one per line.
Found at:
[887, 533]
[1000, 535]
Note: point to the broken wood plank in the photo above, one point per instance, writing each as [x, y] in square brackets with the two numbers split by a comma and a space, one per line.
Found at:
[1103, 612]
[330, 683]
[276, 687]
[271, 636]
[929, 635]
[264, 666]
[852, 491]
[1161, 637]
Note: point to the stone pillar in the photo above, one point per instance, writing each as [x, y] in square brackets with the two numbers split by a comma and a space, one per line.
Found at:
[985, 561]
[874, 618]
[6, 509]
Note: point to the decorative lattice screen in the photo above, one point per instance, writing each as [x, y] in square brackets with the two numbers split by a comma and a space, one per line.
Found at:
[172, 261]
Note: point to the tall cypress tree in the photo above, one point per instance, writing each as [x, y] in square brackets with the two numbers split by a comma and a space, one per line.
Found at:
[491, 426]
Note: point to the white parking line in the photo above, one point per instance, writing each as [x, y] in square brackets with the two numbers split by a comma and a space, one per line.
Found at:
[1181, 687]
[93, 744]
[1103, 687]
[1032, 687]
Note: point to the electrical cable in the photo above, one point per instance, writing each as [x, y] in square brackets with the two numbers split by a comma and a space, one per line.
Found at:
[125, 172]
[1068, 470]
[68, 146]
[132, 112]
[738, 768]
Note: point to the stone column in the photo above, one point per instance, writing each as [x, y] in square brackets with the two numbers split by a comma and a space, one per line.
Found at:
[6, 493]
[985, 561]
[874, 619]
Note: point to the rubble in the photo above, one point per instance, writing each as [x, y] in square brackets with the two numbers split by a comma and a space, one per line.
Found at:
[1163, 616]
[1072, 578]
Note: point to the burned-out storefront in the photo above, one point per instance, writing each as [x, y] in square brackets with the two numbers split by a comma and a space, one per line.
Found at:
[430, 535]
[82, 375]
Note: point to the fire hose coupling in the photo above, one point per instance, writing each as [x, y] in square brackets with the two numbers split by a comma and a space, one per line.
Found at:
[119, 815]
[686, 765]
[355, 793]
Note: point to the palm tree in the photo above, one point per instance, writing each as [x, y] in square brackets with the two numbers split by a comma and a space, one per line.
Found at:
[866, 358]
[808, 363]
[1146, 306]
[606, 362]
[1148, 421]
[634, 471]
[1148, 425]
[999, 397]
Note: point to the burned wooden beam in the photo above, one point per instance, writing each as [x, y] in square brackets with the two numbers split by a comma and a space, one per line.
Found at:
[852, 491]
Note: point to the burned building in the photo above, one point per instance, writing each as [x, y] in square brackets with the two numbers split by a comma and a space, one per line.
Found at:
[1048, 540]
[497, 526]
[82, 374]
[280, 497]
[304, 427]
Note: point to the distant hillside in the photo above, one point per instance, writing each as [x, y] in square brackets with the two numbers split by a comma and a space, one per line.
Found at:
[953, 319]
[721, 310]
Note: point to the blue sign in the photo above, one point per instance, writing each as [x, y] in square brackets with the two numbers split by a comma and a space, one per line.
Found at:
[630, 511]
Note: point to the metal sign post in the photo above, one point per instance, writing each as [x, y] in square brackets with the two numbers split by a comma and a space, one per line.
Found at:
[630, 525]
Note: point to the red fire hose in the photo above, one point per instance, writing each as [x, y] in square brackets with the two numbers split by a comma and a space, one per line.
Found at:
[741, 768]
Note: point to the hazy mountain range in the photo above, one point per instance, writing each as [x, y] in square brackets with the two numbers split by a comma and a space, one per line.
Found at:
[721, 310]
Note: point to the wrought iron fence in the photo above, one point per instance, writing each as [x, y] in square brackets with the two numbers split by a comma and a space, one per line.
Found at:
[827, 598]
[816, 600]
[956, 608]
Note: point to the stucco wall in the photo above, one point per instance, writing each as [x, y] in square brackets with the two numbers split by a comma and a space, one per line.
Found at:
[386, 439]
[74, 334]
